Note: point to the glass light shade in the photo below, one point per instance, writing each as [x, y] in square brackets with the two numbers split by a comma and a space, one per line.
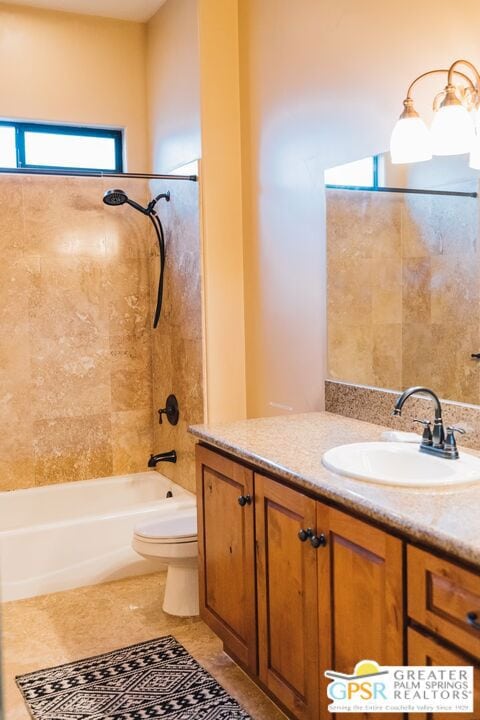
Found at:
[453, 131]
[410, 141]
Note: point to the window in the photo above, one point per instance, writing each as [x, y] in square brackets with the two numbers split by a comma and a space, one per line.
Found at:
[361, 173]
[59, 147]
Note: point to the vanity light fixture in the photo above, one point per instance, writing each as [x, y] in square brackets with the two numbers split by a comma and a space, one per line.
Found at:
[455, 128]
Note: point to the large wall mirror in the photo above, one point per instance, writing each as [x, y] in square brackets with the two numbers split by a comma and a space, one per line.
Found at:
[404, 275]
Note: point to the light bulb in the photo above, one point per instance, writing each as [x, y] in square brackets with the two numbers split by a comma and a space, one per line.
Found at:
[453, 132]
[410, 141]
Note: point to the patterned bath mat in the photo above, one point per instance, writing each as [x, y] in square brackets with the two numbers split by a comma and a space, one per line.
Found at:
[156, 679]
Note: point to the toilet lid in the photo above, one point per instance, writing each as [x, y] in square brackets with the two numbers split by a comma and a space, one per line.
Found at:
[179, 528]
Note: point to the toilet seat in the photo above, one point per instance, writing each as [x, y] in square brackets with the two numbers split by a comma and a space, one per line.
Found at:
[164, 530]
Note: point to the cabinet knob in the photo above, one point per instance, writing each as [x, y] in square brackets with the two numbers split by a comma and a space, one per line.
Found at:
[317, 541]
[472, 619]
[304, 534]
[244, 500]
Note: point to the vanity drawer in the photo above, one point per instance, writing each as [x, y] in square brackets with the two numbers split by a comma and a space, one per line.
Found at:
[441, 596]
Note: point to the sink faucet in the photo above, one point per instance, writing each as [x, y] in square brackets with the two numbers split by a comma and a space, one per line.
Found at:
[434, 443]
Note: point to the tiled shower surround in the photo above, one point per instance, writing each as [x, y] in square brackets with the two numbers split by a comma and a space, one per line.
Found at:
[76, 372]
[404, 291]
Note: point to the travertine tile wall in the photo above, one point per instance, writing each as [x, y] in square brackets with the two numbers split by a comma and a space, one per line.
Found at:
[177, 342]
[404, 291]
[75, 338]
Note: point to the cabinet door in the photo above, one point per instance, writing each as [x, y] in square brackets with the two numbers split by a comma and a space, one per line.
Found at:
[287, 597]
[360, 599]
[424, 650]
[227, 553]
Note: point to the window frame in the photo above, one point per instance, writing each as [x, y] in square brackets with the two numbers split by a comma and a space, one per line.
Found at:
[77, 130]
[374, 186]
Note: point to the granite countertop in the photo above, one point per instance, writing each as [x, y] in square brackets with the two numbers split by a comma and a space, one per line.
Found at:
[291, 447]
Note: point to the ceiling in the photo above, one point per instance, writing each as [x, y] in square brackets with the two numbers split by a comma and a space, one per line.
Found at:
[137, 10]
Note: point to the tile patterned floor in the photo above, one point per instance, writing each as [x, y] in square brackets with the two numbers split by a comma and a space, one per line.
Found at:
[62, 627]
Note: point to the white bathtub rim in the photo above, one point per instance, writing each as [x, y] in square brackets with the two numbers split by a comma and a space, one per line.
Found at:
[65, 486]
[69, 502]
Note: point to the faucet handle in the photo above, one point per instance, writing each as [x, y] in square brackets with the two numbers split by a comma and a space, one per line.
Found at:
[425, 423]
[427, 437]
[450, 442]
[452, 429]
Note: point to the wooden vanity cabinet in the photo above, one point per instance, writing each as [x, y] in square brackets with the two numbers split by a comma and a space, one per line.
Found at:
[294, 587]
[226, 553]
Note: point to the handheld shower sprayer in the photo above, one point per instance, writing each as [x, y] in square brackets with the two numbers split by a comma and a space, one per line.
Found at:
[120, 197]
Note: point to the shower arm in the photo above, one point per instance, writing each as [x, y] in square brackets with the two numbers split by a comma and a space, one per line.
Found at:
[151, 205]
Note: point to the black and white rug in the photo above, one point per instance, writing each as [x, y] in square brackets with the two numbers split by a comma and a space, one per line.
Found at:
[156, 679]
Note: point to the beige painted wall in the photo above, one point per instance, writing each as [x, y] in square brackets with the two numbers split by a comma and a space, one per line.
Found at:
[62, 67]
[221, 177]
[173, 85]
[320, 86]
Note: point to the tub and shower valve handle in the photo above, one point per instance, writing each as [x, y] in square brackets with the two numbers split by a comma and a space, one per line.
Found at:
[170, 410]
[244, 500]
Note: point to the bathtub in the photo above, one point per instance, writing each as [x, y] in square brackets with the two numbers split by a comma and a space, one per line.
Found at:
[64, 536]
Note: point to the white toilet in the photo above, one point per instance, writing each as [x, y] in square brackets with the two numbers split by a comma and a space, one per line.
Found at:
[172, 540]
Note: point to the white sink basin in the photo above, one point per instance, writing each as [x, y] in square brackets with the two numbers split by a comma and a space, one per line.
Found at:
[401, 464]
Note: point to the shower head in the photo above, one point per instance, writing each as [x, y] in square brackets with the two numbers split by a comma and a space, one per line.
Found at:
[115, 197]
[120, 197]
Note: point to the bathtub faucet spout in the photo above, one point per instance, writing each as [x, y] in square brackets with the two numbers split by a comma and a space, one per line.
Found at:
[170, 456]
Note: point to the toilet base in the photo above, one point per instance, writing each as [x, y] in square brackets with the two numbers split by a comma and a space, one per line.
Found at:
[181, 590]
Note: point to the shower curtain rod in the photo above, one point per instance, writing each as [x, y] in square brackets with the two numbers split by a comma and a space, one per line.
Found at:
[407, 191]
[97, 173]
